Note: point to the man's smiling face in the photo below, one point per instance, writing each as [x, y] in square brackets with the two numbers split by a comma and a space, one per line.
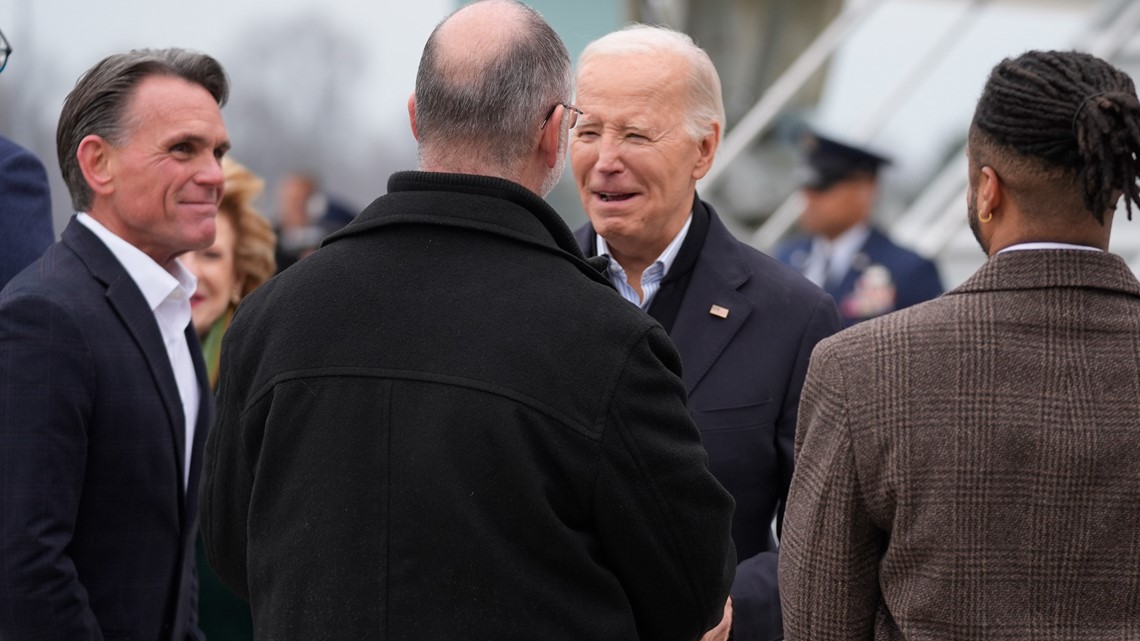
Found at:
[634, 161]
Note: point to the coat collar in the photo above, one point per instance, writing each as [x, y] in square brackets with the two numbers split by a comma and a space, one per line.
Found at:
[723, 252]
[720, 271]
[485, 203]
[1052, 268]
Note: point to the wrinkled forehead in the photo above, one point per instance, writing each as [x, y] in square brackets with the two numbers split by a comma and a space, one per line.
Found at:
[631, 85]
[662, 69]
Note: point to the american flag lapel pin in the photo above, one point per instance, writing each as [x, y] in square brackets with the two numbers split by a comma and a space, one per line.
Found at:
[718, 311]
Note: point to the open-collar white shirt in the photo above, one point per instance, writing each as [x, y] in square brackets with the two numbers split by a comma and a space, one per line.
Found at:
[652, 276]
[1047, 245]
[167, 291]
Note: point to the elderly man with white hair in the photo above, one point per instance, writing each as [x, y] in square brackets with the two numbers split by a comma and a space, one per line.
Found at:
[745, 324]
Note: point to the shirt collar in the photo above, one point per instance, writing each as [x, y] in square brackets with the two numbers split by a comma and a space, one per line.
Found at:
[155, 282]
[839, 254]
[1048, 245]
[666, 258]
[845, 245]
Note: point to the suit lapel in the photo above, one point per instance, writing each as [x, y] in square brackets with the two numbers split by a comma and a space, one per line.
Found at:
[702, 332]
[713, 309]
[128, 302]
[205, 413]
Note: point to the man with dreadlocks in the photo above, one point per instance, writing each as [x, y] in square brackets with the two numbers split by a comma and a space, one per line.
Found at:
[969, 468]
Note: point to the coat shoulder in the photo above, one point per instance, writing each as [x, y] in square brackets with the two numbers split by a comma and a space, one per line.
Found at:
[58, 274]
[771, 277]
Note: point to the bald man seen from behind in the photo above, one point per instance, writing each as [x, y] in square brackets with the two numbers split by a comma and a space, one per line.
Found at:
[493, 444]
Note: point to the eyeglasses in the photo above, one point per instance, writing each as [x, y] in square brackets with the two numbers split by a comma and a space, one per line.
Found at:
[5, 49]
[574, 113]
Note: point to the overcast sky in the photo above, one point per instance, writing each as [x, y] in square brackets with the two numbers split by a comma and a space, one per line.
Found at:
[77, 33]
[333, 101]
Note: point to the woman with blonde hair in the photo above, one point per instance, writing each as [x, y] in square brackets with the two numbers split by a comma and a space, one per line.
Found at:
[240, 259]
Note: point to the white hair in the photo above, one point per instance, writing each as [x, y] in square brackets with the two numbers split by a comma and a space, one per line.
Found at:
[704, 104]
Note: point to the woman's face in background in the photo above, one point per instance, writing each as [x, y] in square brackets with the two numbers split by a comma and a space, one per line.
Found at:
[217, 279]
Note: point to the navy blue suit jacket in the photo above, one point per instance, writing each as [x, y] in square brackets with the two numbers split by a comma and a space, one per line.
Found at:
[744, 374]
[913, 278]
[25, 209]
[96, 528]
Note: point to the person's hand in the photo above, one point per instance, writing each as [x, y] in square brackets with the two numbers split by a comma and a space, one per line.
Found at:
[722, 629]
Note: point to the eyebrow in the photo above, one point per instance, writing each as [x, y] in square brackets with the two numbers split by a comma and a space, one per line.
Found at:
[195, 138]
[200, 141]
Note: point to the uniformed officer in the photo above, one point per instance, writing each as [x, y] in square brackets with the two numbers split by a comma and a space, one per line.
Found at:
[864, 271]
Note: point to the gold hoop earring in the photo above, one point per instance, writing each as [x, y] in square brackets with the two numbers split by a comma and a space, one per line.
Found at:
[987, 218]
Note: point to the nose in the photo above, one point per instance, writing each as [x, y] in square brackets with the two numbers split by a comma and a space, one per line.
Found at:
[211, 173]
[609, 156]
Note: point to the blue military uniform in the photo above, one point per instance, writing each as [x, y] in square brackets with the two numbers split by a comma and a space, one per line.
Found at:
[873, 276]
[882, 278]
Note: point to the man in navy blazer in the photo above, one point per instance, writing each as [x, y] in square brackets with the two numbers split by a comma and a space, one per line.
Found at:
[866, 273]
[25, 203]
[104, 405]
[744, 324]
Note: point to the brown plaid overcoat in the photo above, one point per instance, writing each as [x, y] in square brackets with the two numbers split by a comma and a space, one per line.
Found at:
[970, 468]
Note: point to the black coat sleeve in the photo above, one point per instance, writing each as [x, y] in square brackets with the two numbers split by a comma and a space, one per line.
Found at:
[664, 520]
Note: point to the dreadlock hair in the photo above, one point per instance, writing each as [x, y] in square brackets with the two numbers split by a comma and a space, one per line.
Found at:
[1068, 114]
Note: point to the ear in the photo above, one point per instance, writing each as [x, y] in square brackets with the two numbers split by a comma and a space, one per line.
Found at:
[706, 150]
[412, 114]
[990, 191]
[97, 162]
[548, 142]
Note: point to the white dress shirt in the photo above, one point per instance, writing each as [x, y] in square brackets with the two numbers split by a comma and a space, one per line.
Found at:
[652, 276]
[1046, 245]
[167, 291]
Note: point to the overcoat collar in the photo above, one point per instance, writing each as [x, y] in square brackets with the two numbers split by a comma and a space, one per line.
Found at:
[1052, 268]
[488, 204]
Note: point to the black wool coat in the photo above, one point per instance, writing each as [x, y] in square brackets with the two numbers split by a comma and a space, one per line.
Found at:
[446, 424]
